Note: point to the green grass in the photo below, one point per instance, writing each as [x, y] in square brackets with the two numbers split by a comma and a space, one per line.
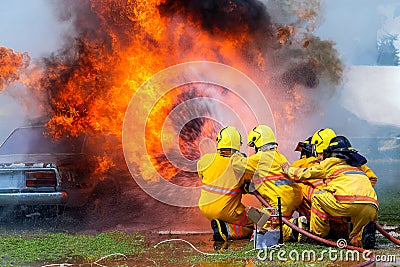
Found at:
[389, 205]
[38, 249]
[18, 249]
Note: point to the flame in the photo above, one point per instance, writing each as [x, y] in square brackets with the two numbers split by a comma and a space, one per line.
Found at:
[283, 34]
[118, 45]
[104, 164]
[11, 64]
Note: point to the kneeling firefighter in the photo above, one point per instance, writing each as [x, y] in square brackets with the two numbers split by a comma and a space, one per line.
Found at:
[320, 141]
[311, 154]
[267, 176]
[221, 193]
[340, 226]
[347, 192]
[306, 160]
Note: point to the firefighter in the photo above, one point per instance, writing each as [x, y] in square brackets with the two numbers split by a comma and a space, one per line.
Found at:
[221, 193]
[347, 192]
[338, 225]
[320, 141]
[264, 169]
[307, 159]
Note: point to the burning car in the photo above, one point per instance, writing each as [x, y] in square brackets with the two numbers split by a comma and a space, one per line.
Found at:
[38, 170]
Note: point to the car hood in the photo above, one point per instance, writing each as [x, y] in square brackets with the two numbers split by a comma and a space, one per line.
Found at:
[38, 158]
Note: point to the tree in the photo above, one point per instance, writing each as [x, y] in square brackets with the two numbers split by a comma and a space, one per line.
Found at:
[388, 54]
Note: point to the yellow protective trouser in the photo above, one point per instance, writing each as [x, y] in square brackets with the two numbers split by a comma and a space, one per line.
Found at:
[291, 199]
[338, 225]
[324, 205]
[305, 206]
[235, 219]
[238, 224]
[308, 190]
[273, 224]
[242, 229]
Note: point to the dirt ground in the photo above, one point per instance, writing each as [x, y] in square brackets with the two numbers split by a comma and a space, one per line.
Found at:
[132, 210]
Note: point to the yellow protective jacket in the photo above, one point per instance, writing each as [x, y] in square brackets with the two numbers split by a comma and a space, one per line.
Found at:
[348, 184]
[307, 186]
[307, 163]
[371, 175]
[221, 191]
[264, 167]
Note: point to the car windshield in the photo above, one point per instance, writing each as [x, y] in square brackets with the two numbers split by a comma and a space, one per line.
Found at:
[32, 140]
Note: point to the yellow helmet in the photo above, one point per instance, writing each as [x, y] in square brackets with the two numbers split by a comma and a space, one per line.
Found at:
[321, 139]
[260, 135]
[230, 138]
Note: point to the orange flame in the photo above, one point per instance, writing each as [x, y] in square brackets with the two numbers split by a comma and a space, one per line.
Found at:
[118, 45]
[104, 164]
[11, 64]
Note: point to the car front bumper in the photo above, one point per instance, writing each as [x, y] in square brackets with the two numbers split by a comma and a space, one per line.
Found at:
[33, 198]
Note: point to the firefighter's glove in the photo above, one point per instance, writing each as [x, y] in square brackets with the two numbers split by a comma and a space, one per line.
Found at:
[285, 167]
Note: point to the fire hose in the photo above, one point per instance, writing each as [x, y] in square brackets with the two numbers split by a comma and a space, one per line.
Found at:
[317, 238]
[387, 235]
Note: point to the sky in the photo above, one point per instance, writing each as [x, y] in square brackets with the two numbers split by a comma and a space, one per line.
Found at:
[369, 92]
[29, 26]
[354, 26]
[25, 26]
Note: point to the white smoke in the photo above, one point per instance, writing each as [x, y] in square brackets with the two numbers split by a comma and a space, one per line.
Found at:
[25, 26]
[368, 92]
[372, 94]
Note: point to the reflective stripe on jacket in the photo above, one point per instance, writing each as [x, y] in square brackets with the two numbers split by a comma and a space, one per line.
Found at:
[264, 167]
[221, 190]
[348, 184]
[307, 163]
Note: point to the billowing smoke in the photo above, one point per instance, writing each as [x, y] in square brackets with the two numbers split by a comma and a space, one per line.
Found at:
[223, 16]
[115, 46]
